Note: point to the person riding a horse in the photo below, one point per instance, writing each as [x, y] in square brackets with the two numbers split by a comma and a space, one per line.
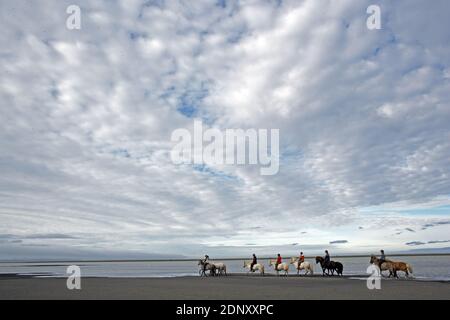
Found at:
[382, 258]
[279, 261]
[327, 258]
[254, 261]
[301, 259]
[205, 262]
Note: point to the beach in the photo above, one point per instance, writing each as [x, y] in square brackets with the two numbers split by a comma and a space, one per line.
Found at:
[236, 286]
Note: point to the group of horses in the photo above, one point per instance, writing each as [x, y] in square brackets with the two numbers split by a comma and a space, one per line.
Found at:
[328, 269]
[219, 268]
[214, 268]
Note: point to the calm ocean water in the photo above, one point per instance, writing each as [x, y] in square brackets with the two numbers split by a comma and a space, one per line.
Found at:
[425, 267]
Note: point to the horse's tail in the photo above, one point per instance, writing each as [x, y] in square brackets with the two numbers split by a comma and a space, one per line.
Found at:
[311, 268]
[262, 269]
[409, 268]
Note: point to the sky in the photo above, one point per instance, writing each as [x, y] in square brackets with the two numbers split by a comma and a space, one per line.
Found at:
[87, 117]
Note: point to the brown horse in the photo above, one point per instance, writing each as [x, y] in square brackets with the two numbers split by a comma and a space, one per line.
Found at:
[392, 266]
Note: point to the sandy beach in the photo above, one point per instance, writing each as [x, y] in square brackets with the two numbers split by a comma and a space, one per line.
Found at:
[230, 287]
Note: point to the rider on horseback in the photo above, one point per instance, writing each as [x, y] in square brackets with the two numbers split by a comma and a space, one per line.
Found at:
[301, 259]
[254, 261]
[279, 261]
[327, 258]
[205, 262]
[382, 258]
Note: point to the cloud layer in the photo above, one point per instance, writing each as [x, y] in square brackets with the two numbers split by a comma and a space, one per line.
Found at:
[87, 117]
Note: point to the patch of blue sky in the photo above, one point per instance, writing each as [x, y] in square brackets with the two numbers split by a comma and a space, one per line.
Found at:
[122, 153]
[135, 35]
[154, 3]
[436, 211]
[221, 3]
[214, 173]
[187, 109]
[168, 92]
[290, 156]
[189, 102]
[150, 3]
[443, 210]
[391, 40]
[291, 153]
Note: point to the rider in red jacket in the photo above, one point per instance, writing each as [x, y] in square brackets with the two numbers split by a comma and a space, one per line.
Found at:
[279, 261]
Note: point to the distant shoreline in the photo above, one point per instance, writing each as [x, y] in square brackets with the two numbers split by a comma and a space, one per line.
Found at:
[219, 258]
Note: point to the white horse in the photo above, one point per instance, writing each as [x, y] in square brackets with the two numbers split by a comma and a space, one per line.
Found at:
[206, 265]
[305, 265]
[257, 266]
[220, 267]
[281, 267]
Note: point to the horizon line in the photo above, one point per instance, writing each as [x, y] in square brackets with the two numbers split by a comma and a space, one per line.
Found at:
[221, 258]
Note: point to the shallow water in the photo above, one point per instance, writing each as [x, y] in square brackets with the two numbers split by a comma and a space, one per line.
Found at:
[424, 267]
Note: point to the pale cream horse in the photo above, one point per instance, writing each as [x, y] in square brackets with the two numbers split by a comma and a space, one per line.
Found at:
[257, 267]
[281, 267]
[305, 265]
[220, 267]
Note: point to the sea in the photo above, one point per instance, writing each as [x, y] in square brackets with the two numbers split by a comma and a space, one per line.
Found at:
[429, 268]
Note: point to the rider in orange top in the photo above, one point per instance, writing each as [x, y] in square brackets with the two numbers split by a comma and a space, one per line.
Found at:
[301, 259]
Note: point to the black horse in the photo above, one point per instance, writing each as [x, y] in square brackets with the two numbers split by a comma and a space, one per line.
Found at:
[332, 266]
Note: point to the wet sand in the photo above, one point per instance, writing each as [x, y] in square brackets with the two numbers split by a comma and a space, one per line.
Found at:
[230, 287]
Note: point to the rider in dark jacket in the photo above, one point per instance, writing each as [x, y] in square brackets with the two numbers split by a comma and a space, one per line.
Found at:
[205, 262]
[382, 258]
[254, 261]
[327, 258]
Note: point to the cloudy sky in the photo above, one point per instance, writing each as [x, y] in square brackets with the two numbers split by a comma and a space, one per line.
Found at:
[87, 116]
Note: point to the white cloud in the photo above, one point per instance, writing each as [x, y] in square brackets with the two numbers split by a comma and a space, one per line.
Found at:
[87, 116]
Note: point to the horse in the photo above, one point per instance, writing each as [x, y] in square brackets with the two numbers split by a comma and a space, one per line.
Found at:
[257, 266]
[206, 266]
[305, 265]
[392, 266]
[221, 268]
[330, 267]
[281, 267]
[386, 265]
